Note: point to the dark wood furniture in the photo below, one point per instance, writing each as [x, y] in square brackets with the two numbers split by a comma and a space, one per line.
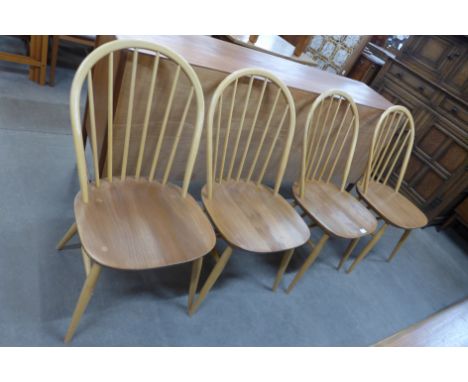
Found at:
[459, 213]
[430, 77]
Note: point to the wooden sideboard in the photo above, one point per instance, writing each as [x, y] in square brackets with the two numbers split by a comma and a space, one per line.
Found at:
[212, 60]
[430, 77]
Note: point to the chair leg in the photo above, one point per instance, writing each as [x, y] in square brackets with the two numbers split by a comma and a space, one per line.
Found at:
[310, 260]
[211, 279]
[214, 253]
[83, 301]
[399, 244]
[368, 247]
[68, 235]
[53, 59]
[86, 261]
[195, 277]
[348, 251]
[284, 264]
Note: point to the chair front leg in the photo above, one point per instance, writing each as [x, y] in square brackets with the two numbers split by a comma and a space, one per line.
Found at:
[215, 273]
[348, 251]
[195, 277]
[309, 261]
[368, 247]
[83, 301]
[399, 244]
[86, 261]
[284, 264]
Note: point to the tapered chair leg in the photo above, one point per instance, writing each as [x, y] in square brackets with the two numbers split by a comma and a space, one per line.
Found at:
[86, 261]
[348, 251]
[218, 268]
[195, 277]
[399, 244]
[368, 247]
[68, 235]
[214, 253]
[310, 260]
[83, 301]
[284, 264]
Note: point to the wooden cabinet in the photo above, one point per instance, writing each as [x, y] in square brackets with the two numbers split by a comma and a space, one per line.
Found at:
[430, 78]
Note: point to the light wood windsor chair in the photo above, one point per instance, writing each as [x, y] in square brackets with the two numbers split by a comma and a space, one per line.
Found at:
[130, 222]
[331, 133]
[391, 147]
[247, 213]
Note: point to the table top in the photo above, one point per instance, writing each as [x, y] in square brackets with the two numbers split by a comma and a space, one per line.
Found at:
[211, 53]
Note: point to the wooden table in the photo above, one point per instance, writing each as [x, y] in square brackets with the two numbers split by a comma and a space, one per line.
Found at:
[37, 58]
[212, 60]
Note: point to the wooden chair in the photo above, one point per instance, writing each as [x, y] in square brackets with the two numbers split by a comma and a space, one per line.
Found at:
[330, 133]
[89, 41]
[128, 221]
[388, 159]
[247, 213]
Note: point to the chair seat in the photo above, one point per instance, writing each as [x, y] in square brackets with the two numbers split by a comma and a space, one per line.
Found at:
[252, 218]
[337, 212]
[392, 206]
[137, 224]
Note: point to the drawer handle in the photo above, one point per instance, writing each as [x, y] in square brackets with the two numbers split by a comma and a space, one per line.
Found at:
[454, 110]
[451, 56]
[399, 75]
[421, 89]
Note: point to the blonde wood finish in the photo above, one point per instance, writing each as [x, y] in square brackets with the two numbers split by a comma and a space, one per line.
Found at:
[348, 251]
[195, 277]
[213, 60]
[68, 235]
[85, 296]
[141, 225]
[86, 261]
[337, 212]
[284, 264]
[253, 218]
[124, 222]
[403, 238]
[393, 207]
[448, 327]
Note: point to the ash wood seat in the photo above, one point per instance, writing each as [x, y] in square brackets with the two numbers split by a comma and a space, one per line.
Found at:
[136, 224]
[336, 211]
[247, 213]
[331, 131]
[379, 187]
[254, 218]
[134, 218]
[392, 206]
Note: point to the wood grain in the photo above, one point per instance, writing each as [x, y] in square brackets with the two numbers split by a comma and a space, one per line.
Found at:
[141, 225]
[252, 218]
[337, 212]
[449, 327]
[392, 206]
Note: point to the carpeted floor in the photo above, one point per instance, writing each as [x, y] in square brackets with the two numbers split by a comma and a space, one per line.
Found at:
[39, 286]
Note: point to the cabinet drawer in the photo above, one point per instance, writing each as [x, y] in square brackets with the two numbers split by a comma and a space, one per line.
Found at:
[455, 111]
[421, 88]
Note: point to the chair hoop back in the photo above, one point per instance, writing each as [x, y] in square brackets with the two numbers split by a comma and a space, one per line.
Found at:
[256, 102]
[85, 72]
[332, 122]
[391, 147]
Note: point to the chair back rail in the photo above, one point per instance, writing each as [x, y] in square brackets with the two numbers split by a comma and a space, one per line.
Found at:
[391, 147]
[332, 123]
[158, 53]
[248, 102]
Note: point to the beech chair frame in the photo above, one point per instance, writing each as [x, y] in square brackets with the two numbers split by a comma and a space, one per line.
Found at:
[391, 146]
[84, 73]
[328, 130]
[220, 169]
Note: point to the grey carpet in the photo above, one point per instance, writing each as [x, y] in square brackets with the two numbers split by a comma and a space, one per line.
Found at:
[39, 286]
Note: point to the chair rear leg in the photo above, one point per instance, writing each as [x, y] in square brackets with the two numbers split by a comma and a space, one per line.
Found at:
[195, 277]
[348, 251]
[399, 244]
[68, 235]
